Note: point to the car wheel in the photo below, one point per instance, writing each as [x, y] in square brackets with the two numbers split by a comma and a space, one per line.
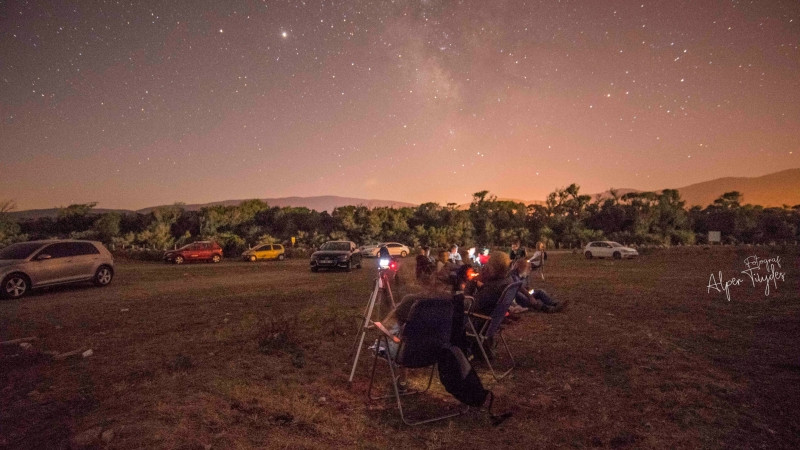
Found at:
[281, 257]
[15, 286]
[349, 265]
[403, 254]
[253, 258]
[588, 255]
[179, 259]
[617, 255]
[358, 265]
[216, 258]
[103, 276]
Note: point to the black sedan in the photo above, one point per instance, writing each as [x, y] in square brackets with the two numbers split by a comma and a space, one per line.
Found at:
[336, 255]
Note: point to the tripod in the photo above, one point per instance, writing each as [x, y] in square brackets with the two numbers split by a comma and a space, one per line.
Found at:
[384, 290]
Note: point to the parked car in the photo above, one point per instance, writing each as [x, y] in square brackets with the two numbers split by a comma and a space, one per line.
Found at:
[35, 264]
[336, 255]
[608, 249]
[395, 249]
[265, 251]
[369, 250]
[196, 251]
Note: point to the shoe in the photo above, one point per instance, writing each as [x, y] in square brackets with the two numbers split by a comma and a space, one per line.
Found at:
[561, 305]
[516, 309]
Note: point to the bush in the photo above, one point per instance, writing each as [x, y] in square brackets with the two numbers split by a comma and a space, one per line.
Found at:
[139, 254]
[298, 252]
[232, 245]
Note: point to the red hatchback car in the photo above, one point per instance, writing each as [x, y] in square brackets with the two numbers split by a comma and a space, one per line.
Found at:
[196, 251]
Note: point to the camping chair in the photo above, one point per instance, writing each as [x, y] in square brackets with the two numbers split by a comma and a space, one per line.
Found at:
[537, 262]
[490, 329]
[419, 345]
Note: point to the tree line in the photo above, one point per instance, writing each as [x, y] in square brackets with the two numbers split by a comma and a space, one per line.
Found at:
[567, 219]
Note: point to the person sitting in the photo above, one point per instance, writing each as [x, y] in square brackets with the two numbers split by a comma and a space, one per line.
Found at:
[517, 251]
[490, 283]
[483, 257]
[535, 299]
[539, 256]
[454, 256]
[446, 269]
[398, 317]
[425, 267]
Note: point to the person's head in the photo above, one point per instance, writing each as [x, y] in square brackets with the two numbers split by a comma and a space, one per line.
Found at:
[515, 245]
[423, 250]
[522, 266]
[443, 256]
[540, 246]
[497, 266]
[485, 251]
[454, 249]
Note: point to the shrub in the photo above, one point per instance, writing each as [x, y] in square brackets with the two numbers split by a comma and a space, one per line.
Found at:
[139, 254]
[298, 252]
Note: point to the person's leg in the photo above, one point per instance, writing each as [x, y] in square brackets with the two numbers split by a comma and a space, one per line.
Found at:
[544, 298]
[526, 301]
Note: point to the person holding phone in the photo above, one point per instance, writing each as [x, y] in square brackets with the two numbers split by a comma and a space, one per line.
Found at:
[535, 299]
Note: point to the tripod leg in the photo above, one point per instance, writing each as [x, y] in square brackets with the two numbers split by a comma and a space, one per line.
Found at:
[363, 331]
[388, 289]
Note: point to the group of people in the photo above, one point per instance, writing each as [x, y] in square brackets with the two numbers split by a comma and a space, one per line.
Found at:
[497, 270]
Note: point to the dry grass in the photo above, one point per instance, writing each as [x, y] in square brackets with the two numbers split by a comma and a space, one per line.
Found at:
[243, 355]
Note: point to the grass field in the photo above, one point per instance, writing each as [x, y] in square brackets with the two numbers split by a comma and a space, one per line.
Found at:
[240, 355]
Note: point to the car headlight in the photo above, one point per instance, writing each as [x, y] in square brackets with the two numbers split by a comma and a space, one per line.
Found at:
[343, 258]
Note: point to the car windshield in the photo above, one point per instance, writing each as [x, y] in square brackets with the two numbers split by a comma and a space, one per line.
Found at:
[19, 250]
[336, 246]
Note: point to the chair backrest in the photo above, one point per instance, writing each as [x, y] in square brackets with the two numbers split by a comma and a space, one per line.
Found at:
[426, 331]
[503, 303]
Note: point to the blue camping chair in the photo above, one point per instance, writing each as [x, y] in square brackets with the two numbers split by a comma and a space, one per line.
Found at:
[488, 329]
[419, 345]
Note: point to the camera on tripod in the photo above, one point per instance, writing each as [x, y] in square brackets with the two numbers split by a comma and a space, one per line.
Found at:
[387, 264]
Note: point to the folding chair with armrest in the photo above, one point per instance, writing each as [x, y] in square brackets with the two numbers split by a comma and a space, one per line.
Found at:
[421, 340]
[490, 328]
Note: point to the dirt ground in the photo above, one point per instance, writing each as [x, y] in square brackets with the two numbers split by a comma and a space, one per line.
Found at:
[257, 355]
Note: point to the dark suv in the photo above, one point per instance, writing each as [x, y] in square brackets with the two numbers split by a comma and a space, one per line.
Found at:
[336, 255]
[30, 265]
[196, 251]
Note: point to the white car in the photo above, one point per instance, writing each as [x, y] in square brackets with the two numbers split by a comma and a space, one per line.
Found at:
[369, 250]
[608, 249]
[395, 249]
[31, 265]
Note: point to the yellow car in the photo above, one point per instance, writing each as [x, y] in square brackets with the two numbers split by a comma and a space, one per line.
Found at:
[265, 251]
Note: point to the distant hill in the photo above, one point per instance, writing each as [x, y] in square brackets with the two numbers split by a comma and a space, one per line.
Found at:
[775, 189]
[321, 203]
[607, 194]
[53, 212]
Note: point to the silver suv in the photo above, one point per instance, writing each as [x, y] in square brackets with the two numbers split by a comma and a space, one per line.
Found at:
[30, 265]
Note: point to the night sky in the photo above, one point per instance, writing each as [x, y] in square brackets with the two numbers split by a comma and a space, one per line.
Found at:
[135, 104]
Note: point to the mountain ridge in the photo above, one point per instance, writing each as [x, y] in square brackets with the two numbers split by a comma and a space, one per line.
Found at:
[771, 190]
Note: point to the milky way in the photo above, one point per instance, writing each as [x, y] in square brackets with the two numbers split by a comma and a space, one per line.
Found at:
[133, 104]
